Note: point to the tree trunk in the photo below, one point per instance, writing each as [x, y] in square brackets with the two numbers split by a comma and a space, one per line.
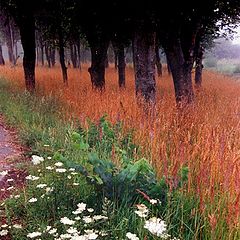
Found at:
[73, 53]
[168, 67]
[42, 53]
[158, 61]
[99, 49]
[181, 72]
[144, 64]
[47, 53]
[79, 54]
[2, 62]
[115, 57]
[27, 32]
[199, 67]
[9, 41]
[53, 56]
[121, 66]
[106, 61]
[62, 57]
[16, 50]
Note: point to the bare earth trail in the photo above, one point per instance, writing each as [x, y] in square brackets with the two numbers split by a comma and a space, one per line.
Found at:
[11, 156]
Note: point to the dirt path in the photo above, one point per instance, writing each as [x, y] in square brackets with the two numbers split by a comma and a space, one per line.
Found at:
[11, 158]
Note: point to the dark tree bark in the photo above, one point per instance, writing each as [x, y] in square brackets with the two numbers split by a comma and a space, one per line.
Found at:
[73, 53]
[181, 69]
[27, 32]
[79, 54]
[121, 67]
[42, 53]
[99, 47]
[144, 64]
[199, 65]
[168, 67]
[106, 61]
[16, 49]
[115, 50]
[53, 56]
[10, 41]
[158, 61]
[47, 53]
[62, 57]
[2, 62]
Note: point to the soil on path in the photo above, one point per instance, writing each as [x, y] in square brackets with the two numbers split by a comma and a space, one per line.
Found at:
[11, 158]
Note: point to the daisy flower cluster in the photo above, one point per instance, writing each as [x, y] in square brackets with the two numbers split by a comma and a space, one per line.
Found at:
[54, 187]
[154, 225]
[79, 227]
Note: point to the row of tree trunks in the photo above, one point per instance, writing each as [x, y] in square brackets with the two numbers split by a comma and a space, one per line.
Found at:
[2, 62]
[144, 55]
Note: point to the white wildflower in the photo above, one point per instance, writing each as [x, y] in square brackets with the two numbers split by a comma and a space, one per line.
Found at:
[65, 236]
[10, 180]
[17, 226]
[82, 206]
[66, 221]
[10, 188]
[32, 200]
[153, 201]
[103, 234]
[3, 232]
[17, 196]
[75, 184]
[142, 210]
[58, 164]
[37, 160]
[34, 234]
[52, 231]
[91, 234]
[49, 189]
[49, 168]
[72, 230]
[72, 169]
[99, 217]
[156, 226]
[79, 237]
[132, 236]
[49, 158]
[61, 170]
[90, 210]
[3, 173]
[32, 178]
[4, 226]
[41, 185]
[87, 219]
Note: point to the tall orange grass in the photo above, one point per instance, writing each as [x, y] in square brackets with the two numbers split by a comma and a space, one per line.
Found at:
[205, 137]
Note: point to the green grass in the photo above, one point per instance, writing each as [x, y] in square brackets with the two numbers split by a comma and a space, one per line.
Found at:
[108, 188]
